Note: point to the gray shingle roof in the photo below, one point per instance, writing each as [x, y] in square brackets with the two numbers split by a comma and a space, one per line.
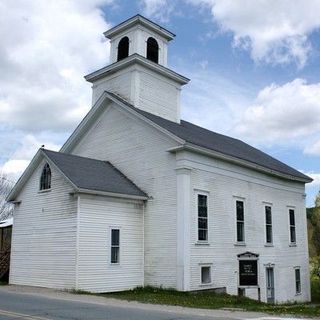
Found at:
[217, 142]
[92, 174]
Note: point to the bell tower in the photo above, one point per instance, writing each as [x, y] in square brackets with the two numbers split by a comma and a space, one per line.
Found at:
[141, 36]
[138, 71]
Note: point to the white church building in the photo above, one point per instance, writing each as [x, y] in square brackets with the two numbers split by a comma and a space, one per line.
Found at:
[137, 196]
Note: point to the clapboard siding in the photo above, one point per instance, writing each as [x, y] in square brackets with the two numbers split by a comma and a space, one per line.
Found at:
[97, 216]
[158, 95]
[139, 151]
[119, 83]
[145, 89]
[44, 235]
[224, 182]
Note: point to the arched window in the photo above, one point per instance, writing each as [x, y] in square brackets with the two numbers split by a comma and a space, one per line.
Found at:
[123, 48]
[152, 50]
[45, 179]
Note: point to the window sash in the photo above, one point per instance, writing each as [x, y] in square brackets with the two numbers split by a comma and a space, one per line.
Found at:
[268, 233]
[202, 203]
[240, 231]
[240, 210]
[293, 234]
[292, 217]
[115, 237]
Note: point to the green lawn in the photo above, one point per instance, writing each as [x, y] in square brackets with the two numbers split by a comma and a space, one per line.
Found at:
[209, 300]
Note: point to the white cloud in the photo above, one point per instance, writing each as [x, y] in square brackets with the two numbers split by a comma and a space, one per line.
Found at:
[313, 149]
[21, 157]
[315, 177]
[274, 31]
[288, 113]
[14, 168]
[312, 188]
[211, 100]
[46, 48]
[158, 9]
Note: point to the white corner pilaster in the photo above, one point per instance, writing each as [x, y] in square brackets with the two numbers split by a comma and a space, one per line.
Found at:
[183, 228]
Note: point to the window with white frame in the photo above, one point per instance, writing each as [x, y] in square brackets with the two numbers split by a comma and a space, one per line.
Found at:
[298, 280]
[115, 246]
[292, 227]
[240, 220]
[268, 218]
[202, 217]
[205, 274]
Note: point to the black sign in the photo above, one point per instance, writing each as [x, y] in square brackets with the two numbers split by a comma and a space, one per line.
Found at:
[248, 272]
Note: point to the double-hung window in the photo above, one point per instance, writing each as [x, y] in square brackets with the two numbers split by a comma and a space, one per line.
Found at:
[292, 227]
[202, 217]
[298, 280]
[240, 220]
[115, 246]
[268, 218]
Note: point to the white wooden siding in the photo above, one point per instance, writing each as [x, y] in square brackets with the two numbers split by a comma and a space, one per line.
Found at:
[158, 95]
[145, 89]
[44, 235]
[139, 151]
[224, 182]
[96, 217]
[119, 83]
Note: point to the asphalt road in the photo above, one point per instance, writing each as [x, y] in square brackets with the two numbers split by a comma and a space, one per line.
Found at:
[38, 305]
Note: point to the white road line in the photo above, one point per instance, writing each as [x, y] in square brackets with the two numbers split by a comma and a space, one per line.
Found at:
[21, 315]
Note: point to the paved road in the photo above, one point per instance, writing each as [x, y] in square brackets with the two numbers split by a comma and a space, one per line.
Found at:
[25, 303]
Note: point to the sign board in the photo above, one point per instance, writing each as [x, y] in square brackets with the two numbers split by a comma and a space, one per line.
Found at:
[248, 272]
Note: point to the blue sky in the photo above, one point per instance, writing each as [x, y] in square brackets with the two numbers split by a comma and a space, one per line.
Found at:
[254, 70]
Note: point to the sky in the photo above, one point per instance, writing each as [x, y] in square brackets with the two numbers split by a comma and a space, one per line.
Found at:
[253, 65]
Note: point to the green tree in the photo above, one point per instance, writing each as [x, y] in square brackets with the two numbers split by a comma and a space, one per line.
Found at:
[313, 215]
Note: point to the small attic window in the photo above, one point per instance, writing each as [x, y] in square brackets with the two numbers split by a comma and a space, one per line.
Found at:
[45, 179]
[152, 50]
[123, 48]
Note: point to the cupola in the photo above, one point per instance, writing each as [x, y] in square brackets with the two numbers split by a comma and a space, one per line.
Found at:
[139, 35]
[138, 68]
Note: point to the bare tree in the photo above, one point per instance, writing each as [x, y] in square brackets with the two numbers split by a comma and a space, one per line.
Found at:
[6, 209]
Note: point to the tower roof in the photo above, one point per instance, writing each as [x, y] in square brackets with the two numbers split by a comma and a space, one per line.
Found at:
[135, 20]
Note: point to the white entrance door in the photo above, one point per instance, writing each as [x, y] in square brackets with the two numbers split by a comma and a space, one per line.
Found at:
[270, 284]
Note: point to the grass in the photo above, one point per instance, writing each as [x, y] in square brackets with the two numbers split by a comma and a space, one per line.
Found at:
[210, 300]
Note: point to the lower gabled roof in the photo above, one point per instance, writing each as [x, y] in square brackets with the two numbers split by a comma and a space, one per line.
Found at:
[91, 174]
[86, 175]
